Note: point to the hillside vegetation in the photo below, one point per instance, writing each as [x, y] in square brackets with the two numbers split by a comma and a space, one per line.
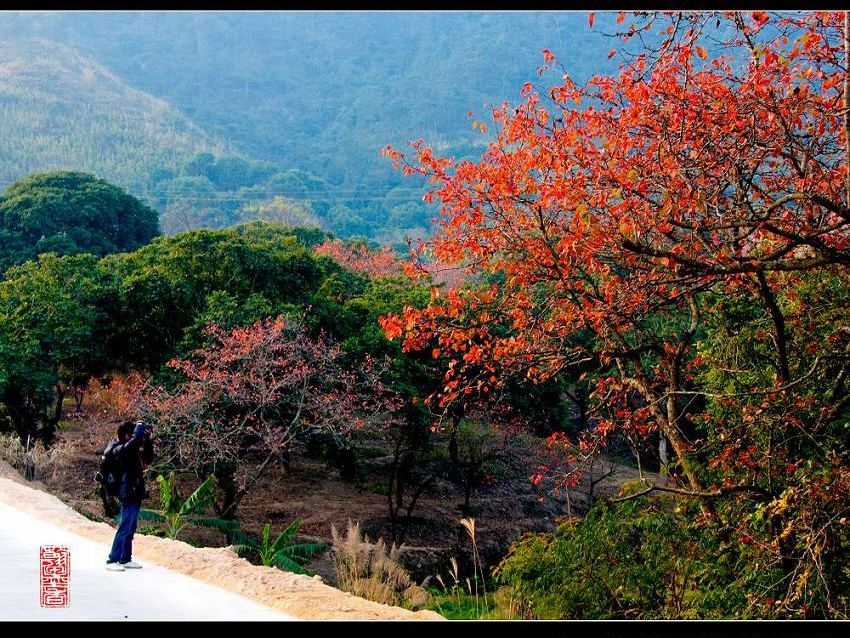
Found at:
[321, 92]
[60, 109]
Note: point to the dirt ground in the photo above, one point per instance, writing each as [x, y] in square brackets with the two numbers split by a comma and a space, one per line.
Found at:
[313, 491]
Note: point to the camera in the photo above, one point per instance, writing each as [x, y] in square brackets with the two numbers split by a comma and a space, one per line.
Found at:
[147, 426]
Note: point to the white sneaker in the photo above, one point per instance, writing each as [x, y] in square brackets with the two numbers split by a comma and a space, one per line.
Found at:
[131, 565]
[115, 567]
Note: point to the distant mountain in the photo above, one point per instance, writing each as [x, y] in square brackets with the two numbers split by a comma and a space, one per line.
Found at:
[307, 98]
[324, 91]
[62, 109]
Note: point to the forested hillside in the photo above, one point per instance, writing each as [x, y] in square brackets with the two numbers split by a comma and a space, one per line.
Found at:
[323, 92]
[62, 109]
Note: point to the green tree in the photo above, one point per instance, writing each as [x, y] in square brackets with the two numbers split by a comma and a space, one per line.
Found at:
[191, 202]
[199, 164]
[230, 311]
[70, 212]
[283, 210]
[164, 286]
[635, 559]
[55, 329]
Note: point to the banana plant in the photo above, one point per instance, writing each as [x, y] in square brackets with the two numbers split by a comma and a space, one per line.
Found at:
[175, 513]
[281, 552]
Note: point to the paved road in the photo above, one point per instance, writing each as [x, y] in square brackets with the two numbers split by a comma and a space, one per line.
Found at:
[150, 593]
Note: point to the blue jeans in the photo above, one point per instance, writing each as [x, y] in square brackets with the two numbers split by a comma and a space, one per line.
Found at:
[122, 546]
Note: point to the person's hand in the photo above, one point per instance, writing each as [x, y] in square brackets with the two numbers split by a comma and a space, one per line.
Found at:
[139, 432]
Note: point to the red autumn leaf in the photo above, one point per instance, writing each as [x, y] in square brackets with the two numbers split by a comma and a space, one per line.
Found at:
[359, 258]
[620, 205]
[760, 17]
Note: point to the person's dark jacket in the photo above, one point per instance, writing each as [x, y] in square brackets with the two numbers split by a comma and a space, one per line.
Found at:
[133, 456]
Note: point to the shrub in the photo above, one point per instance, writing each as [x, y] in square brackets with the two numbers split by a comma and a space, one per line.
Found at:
[635, 559]
[177, 512]
[280, 552]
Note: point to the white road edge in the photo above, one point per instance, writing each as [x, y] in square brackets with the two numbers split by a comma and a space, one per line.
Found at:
[150, 593]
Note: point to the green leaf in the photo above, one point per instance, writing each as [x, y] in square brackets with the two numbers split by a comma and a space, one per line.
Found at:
[165, 491]
[304, 551]
[244, 548]
[150, 515]
[289, 565]
[286, 535]
[243, 538]
[200, 498]
[221, 524]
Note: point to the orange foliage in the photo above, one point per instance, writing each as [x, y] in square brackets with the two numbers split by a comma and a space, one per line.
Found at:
[360, 258]
[108, 404]
[601, 206]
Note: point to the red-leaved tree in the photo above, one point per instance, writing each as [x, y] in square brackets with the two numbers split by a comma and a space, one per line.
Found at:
[362, 259]
[604, 206]
[606, 217]
[246, 397]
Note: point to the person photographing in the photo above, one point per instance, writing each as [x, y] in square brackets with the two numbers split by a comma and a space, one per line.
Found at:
[132, 452]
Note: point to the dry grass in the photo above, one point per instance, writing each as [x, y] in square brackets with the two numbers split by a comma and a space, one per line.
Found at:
[372, 571]
[32, 460]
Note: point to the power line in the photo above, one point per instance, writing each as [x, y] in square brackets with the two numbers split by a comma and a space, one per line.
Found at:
[374, 192]
[268, 196]
[325, 199]
[264, 197]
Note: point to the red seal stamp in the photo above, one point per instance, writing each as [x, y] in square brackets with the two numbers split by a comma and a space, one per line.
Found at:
[54, 575]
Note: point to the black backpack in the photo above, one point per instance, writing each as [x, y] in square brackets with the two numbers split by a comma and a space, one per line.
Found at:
[109, 472]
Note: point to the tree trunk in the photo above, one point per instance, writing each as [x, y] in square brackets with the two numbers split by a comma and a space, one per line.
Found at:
[392, 509]
[392, 488]
[238, 495]
[680, 447]
[581, 403]
[780, 333]
[227, 483]
[23, 419]
[671, 423]
[578, 398]
[48, 432]
[420, 489]
[667, 425]
[400, 485]
[29, 466]
[467, 492]
[453, 448]
[285, 459]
